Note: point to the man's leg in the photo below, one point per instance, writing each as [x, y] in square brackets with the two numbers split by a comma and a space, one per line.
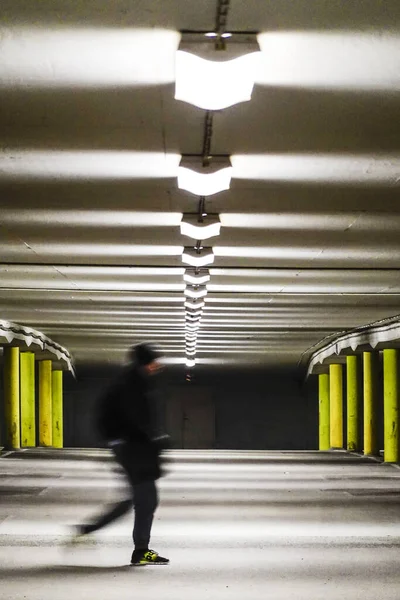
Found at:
[115, 512]
[145, 501]
[119, 509]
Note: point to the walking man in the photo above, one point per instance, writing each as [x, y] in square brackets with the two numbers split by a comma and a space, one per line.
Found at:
[128, 422]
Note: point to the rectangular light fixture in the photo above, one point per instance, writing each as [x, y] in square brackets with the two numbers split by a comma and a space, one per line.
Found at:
[206, 180]
[198, 258]
[191, 276]
[191, 337]
[192, 318]
[195, 291]
[192, 326]
[194, 314]
[209, 227]
[211, 78]
[194, 305]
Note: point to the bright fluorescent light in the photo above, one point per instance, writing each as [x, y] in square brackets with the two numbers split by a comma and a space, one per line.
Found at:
[192, 326]
[190, 362]
[203, 230]
[215, 79]
[191, 337]
[190, 352]
[196, 291]
[192, 321]
[194, 278]
[201, 258]
[194, 313]
[194, 305]
[204, 180]
[193, 317]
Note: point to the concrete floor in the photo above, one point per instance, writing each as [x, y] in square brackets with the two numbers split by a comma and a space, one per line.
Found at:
[235, 524]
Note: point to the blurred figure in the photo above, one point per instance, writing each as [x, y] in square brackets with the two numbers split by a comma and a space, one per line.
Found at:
[128, 422]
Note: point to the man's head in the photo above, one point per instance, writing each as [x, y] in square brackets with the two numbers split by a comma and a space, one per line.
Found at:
[147, 357]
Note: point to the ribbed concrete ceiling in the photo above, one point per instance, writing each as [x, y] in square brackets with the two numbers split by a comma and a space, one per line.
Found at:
[91, 141]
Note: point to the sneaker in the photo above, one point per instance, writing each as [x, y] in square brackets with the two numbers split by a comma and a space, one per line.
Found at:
[147, 557]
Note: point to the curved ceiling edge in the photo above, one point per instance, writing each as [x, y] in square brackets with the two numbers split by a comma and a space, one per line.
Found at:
[37, 342]
[334, 348]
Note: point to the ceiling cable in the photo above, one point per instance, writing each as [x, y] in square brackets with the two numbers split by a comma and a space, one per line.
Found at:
[208, 126]
[220, 23]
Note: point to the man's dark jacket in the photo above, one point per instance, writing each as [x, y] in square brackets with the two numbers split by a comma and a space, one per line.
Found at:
[126, 416]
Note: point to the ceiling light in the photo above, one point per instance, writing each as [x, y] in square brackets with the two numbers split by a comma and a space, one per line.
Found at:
[191, 352]
[192, 326]
[194, 278]
[212, 78]
[204, 180]
[191, 337]
[198, 258]
[195, 291]
[190, 319]
[190, 362]
[194, 305]
[200, 230]
[195, 313]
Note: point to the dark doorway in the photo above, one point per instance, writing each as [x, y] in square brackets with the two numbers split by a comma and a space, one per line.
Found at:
[190, 420]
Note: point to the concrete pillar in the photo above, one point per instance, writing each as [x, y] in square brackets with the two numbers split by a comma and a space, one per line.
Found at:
[11, 397]
[391, 401]
[323, 392]
[45, 404]
[336, 405]
[27, 383]
[57, 414]
[370, 391]
[352, 381]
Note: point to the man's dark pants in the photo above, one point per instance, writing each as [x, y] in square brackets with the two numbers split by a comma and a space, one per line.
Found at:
[143, 498]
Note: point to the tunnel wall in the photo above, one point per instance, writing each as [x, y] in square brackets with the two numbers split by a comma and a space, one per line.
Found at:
[220, 408]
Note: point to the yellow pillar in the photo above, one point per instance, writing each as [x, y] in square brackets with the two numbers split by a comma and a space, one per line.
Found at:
[11, 397]
[336, 405]
[27, 382]
[57, 393]
[370, 377]
[323, 394]
[352, 402]
[390, 401]
[45, 404]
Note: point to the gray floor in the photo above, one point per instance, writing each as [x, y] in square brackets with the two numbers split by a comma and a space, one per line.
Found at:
[256, 525]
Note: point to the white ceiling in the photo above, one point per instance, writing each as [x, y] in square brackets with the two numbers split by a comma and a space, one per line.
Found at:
[91, 141]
